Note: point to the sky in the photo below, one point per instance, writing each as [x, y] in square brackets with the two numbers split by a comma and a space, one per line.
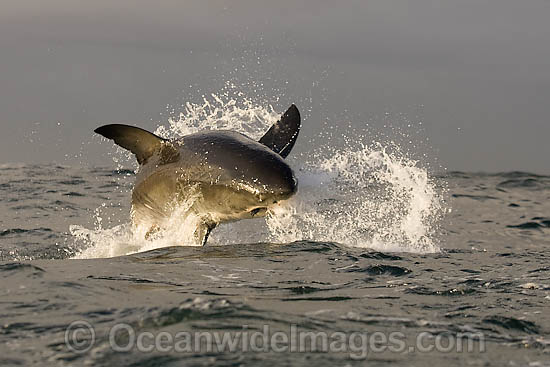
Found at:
[470, 77]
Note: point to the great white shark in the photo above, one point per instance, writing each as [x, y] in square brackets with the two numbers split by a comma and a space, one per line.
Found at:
[229, 175]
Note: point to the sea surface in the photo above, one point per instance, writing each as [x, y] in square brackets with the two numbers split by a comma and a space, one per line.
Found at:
[489, 275]
[391, 262]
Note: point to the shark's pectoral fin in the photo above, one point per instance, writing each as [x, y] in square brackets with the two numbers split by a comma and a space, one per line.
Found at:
[138, 141]
[203, 231]
[283, 134]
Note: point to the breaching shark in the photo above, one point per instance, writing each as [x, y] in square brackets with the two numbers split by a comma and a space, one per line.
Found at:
[229, 175]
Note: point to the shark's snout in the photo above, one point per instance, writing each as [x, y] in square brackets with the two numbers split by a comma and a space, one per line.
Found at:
[289, 188]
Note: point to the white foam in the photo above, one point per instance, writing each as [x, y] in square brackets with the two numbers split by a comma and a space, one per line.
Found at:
[363, 197]
[228, 110]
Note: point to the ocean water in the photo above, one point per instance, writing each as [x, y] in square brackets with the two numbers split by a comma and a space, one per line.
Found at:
[390, 261]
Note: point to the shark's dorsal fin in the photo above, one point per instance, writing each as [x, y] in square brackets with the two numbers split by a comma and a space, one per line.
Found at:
[283, 134]
[138, 141]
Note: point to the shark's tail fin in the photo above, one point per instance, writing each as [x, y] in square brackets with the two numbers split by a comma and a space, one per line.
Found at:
[138, 141]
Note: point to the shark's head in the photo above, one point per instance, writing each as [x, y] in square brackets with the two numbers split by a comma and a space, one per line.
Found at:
[246, 177]
[265, 176]
[255, 168]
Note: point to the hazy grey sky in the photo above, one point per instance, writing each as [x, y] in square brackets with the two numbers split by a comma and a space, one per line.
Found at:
[475, 72]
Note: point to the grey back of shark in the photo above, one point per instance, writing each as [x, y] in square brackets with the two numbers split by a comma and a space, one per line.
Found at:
[229, 175]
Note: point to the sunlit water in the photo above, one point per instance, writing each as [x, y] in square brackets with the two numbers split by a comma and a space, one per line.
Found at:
[373, 241]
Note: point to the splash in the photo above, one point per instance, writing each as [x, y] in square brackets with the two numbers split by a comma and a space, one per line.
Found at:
[229, 110]
[370, 196]
[126, 239]
[364, 197]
